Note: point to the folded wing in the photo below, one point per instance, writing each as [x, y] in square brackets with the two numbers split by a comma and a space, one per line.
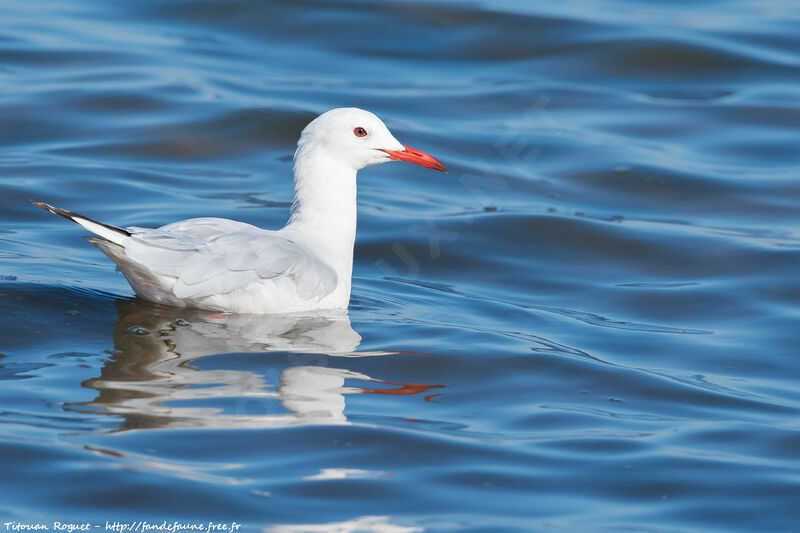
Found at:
[210, 256]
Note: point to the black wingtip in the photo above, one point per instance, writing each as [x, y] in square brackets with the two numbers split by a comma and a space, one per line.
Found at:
[55, 210]
[71, 215]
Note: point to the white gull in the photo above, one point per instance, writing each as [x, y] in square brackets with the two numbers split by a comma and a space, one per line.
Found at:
[225, 265]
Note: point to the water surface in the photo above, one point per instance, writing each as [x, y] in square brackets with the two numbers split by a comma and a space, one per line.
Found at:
[589, 324]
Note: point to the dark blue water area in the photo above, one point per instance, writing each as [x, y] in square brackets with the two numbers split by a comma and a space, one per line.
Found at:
[591, 323]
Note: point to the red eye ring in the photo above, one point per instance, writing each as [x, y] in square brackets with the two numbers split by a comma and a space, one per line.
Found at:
[360, 132]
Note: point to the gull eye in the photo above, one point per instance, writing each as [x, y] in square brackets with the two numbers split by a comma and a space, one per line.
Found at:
[360, 132]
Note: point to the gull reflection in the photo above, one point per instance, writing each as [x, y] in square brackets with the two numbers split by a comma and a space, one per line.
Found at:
[157, 379]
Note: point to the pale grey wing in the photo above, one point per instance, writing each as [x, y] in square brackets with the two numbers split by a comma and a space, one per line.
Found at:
[168, 249]
[207, 227]
[205, 262]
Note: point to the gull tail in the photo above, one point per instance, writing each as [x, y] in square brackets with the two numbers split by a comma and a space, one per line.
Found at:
[106, 231]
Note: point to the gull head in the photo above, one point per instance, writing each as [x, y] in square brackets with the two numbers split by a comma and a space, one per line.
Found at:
[358, 139]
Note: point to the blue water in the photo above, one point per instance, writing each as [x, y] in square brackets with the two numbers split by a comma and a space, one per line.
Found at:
[589, 324]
